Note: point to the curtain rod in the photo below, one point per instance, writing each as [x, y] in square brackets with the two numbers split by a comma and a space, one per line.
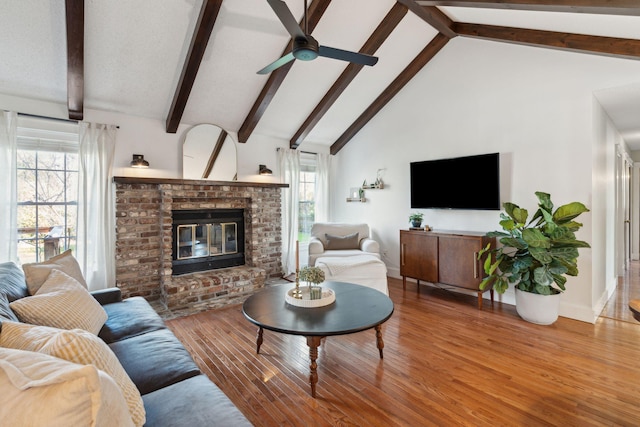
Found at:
[300, 151]
[36, 116]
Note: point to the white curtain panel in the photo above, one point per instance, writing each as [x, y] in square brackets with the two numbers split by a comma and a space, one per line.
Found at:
[289, 165]
[96, 205]
[322, 199]
[8, 186]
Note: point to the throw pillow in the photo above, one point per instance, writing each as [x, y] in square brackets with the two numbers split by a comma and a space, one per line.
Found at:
[36, 273]
[61, 302]
[350, 241]
[42, 390]
[76, 346]
[5, 311]
[12, 280]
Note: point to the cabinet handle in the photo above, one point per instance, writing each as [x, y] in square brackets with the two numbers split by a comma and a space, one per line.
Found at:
[402, 254]
[475, 265]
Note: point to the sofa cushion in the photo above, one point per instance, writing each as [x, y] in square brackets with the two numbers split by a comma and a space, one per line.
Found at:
[12, 282]
[349, 241]
[61, 302]
[214, 407]
[76, 346]
[154, 360]
[133, 316]
[42, 390]
[319, 229]
[5, 311]
[36, 273]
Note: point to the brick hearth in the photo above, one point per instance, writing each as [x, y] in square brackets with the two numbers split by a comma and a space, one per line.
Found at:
[144, 240]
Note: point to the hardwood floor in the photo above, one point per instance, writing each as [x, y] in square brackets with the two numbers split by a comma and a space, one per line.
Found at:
[445, 363]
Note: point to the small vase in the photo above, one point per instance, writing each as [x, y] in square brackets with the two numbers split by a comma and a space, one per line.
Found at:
[315, 292]
[416, 224]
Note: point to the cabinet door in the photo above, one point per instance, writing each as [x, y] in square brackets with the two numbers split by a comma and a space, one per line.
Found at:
[458, 261]
[419, 256]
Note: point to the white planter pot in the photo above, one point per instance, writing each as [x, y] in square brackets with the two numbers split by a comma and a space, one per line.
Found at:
[536, 308]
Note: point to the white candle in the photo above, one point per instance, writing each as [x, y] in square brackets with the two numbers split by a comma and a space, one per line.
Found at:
[297, 256]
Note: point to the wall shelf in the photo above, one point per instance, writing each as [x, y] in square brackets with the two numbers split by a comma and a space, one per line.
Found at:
[356, 199]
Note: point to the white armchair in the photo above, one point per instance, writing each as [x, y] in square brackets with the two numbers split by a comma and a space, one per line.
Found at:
[340, 240]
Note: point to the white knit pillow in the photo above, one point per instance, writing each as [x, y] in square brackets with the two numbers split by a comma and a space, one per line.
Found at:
[36, 273]
[76, 346]
[61, 302]
[41, 390]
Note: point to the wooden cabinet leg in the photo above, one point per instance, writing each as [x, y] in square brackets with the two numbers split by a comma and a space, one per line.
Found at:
[491, 293]
[404, 283]
[479, 300]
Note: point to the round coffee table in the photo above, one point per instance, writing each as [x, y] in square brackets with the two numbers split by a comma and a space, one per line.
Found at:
[356, 308]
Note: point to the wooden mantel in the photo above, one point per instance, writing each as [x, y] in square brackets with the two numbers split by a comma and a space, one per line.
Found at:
[177, 181]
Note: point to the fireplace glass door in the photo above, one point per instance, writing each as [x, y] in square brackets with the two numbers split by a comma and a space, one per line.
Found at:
[204, 240]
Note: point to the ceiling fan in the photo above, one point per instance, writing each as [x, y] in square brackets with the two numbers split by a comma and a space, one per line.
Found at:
[305, 47]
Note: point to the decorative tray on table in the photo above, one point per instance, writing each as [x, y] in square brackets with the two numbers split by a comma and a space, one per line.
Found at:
[328, 297]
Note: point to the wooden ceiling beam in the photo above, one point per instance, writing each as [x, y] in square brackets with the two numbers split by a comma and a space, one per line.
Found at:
[315, 12]
[381, 33]
[214, 154]
[606, 7]
[438, 42]
[432, 16]
[608, 46]
[204, 27]
[74, 15]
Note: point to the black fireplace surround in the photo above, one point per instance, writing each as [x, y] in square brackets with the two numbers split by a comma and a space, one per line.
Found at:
[207, 239]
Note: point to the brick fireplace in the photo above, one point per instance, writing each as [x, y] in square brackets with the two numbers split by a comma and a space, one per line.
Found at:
[144, 239]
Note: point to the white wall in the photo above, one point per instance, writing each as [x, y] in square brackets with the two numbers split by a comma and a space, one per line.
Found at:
[534, 106]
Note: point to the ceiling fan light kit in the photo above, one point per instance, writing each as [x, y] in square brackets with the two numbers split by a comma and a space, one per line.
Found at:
[305, 47]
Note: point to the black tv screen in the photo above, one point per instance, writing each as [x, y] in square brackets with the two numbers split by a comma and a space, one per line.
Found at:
[471, 182]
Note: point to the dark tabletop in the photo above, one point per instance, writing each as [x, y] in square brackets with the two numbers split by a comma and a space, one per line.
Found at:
[355, 309]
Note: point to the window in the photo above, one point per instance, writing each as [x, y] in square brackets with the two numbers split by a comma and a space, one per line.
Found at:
[47, 172]
[306, 199]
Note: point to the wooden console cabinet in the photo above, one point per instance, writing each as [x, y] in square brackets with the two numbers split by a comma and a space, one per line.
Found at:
[448, 257]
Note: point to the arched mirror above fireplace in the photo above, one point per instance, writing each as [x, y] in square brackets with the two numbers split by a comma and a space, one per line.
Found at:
[209, 153]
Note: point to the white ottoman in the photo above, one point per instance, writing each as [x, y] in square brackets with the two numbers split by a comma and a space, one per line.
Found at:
[366, 270]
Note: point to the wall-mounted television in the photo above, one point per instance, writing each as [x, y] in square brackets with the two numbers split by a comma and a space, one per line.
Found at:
[471, 182]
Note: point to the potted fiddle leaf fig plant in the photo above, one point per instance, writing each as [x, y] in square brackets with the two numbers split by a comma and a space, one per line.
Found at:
[535, 256]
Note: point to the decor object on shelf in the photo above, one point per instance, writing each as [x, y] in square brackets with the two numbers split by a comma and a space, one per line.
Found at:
[416, 219]
[535, 255]
[264, 170]
[139, 161]
[356, 194]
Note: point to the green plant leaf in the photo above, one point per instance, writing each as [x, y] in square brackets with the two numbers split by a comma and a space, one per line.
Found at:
[514, 242]
[542, 255]
[544, 200]
[535, 238]
[566, 213]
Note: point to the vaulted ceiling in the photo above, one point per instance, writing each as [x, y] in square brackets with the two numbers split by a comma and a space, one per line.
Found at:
[195, 61]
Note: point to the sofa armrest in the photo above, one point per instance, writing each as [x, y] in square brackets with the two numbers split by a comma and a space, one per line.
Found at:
[107, 296]
[315, 246]
[369, 245]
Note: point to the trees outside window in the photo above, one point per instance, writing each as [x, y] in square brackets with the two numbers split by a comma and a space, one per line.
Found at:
[47, 194]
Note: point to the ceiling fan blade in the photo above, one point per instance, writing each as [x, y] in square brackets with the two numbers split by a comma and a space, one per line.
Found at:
[346, 55]
[287, 19]
[277, 63]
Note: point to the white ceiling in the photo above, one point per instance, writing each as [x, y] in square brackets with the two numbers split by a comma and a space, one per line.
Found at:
[135, 49]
